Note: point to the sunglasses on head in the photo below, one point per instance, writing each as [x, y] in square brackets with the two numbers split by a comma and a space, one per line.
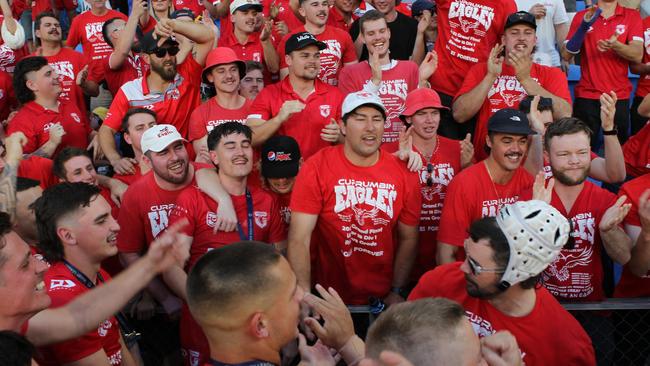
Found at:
[161, 52]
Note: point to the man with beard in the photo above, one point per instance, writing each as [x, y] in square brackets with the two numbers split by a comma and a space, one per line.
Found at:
[356, 208]
[608, 37]
[482, 189]
[224, 71]
[301, 106]
[124, 63]
[340, 49]
[258, 217]
[69, 64]
[496, 284]
[596, 215]
[173, 94]
[503, 81]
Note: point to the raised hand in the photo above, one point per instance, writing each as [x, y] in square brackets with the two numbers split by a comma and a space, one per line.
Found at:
[607, 110]
[542, 191]
[615, 214]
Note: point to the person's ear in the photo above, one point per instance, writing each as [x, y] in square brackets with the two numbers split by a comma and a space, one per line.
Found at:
[259, 326]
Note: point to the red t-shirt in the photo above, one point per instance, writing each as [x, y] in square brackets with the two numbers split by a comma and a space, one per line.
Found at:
[174, 106]
[643, 85]
[507, 92]
[34, 121]
[340, 50]
[129, 179]
[445, 164]
[631, 285]
[86, 28]
[63, 287]
[7, 97]
[467, 31]
[321, 106]
[548, 335]
[577, 273]
[38, 168]
[605, 71]
[397, 81]
[210, 114]
[201, 212]
[636, 152]
[132, 68]
[68, 63]
[145, 212]
[196, 6]
[472, 195]
[335, 19]
[358, 209]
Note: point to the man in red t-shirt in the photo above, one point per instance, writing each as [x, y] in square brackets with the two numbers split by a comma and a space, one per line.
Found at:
[356, 208]
[442, 159]
[224, 70]
[49, 123]
[340, 49]
[258, 217]
[391, 79]
[135, 122]
[77, 234]
[503, 81]
[70, 65]
[467, 30]
[301, 106]
[609, 37]
[637, 152]
[248, 44]
[123, 63]
[482, 189]
[635, 279]
[170, 92]
[497, 284]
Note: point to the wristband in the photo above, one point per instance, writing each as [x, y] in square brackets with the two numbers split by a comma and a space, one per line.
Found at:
[575, 43]
[612, 132]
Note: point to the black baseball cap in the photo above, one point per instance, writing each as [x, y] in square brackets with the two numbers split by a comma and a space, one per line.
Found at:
[149, 44]
[521, 17]
[298, 41]
[185, 12]
[280, 157]
[419, 6]
[543, 104]
[510, 121]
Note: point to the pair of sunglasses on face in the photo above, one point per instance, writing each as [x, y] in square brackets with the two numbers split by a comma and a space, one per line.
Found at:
[161, 52]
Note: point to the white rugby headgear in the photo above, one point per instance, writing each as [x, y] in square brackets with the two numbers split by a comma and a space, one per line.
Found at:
[536, 232]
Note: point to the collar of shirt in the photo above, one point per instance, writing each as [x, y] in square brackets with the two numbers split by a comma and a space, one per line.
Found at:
[178, 80]
[228, 40]
[319, 88]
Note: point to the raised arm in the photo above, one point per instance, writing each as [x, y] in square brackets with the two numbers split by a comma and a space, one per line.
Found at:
[467, 105]
[123, 44]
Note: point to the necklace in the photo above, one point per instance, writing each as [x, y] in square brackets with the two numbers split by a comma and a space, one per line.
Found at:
[492, 181]
[427, 157]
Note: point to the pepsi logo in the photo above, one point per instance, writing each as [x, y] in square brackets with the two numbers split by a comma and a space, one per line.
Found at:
[271, 156]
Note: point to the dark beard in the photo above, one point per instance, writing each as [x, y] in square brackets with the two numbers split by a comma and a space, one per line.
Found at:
[164, 74]
[566, 180]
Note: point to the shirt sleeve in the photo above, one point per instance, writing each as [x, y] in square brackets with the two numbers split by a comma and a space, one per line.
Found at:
[307, 196]
[635, 32]
[348, 83]
[456, 214]
[197, 123]
[632, 217]
[131, 238]
[474, 76]
[560, 15]
[575, 23]
[426, 286]
[74, 35]
[116, 111]
[555, 82]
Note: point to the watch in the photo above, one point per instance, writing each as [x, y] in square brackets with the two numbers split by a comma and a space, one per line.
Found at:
[612, 132]
[397, 290]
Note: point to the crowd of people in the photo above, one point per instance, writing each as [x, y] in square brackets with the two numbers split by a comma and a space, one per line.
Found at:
[322, 182]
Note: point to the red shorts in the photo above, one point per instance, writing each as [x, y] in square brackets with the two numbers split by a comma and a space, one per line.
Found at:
[195, 347]
[65, 4]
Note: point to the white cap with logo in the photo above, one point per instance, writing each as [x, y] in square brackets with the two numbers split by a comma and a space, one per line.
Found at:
[354, 100]
[158, 137]
[244, 5]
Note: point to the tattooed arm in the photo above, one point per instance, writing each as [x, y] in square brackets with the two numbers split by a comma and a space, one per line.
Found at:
[14, 148]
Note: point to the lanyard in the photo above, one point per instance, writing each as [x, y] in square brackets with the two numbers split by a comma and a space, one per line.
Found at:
[121, 319]
[249, 363]
[249, 209]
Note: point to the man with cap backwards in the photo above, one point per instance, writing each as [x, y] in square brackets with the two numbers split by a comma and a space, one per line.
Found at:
[482, 189]
[503, 81]
[258, 217]
[496, 284]
[244, 38]
[301, 106]
[223, 70]
[608, 37]
[355, 199]
[340, 49]
[281, 161]
[442, 159]
[147, 203]
[171, 92]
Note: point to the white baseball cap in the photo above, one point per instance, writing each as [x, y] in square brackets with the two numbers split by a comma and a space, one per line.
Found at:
[245, 5]
[355, 100]
[158, 137]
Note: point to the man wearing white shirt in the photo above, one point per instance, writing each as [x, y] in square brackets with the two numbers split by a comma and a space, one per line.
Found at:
[552, 28]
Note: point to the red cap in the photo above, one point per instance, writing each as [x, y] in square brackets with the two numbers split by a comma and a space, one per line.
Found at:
[421, 98]
[221, 56]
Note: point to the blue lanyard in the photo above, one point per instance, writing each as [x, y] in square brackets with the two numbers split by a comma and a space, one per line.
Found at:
[249, 363]
[249, 209]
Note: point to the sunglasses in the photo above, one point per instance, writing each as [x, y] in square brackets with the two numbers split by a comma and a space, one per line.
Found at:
[161, 52]
[430, 171]
[476, 268]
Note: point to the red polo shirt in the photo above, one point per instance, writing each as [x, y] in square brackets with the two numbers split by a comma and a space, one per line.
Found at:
[643, 87]
[321, 106]
[174, 106]
[605, 71]
[336, 19]
[34, 121]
